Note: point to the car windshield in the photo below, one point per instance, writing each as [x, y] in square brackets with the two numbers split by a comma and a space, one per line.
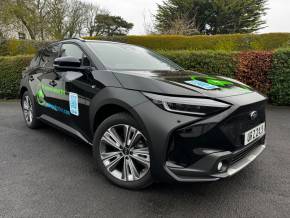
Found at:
[117, 56]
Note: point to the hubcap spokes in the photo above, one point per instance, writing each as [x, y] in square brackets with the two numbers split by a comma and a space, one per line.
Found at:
[124, 153]
[27, 109]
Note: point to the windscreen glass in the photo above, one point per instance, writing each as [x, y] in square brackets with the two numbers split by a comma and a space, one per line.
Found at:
[116, 56]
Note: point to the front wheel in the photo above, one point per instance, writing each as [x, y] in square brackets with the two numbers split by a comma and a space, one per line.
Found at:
[122, 153]
[28, 109]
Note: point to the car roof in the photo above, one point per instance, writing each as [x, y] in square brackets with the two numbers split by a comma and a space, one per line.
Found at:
[80, 40]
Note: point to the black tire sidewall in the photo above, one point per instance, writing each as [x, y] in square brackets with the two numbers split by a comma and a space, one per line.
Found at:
[120, 118]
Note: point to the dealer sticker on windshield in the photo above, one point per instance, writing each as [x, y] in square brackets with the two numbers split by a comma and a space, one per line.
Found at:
[202, 85]
[73, 104]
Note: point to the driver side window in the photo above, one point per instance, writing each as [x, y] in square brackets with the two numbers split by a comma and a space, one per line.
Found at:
[74, 51]
[48, 55]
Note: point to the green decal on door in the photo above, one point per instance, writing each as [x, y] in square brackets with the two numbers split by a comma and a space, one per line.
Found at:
[57, 91]
[40, 97]
[41, 101]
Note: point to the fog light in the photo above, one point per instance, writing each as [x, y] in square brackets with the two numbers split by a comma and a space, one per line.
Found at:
[220, 166]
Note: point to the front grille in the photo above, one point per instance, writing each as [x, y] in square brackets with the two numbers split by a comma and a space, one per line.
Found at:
[239, 122]
[243, 153]
[227, 135]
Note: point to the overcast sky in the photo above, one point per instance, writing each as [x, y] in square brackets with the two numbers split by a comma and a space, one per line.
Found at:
[278, 17]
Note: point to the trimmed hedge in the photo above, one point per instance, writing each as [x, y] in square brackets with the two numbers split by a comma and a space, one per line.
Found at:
[10, 75]
[280, 77]
[210, 62]
[253, 69]
[234, 42]
[269, 72]
[15, 47]
[231, 42]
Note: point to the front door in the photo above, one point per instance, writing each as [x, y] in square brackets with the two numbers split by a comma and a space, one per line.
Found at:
[50, 93]
[66, 95]
[79, 88]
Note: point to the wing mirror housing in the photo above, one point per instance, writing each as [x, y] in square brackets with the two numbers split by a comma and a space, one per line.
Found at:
[68, 64]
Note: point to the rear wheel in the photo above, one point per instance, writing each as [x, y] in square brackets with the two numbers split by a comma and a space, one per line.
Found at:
[122, 153]
[28, 109]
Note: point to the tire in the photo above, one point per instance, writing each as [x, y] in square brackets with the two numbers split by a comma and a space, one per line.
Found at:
[125, 163]
[29, 111]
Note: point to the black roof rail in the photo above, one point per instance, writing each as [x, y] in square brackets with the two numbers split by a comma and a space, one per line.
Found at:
[77, 38]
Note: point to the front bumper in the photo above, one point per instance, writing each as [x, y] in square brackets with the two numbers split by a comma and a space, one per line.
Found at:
[206, 168]
[188, 149]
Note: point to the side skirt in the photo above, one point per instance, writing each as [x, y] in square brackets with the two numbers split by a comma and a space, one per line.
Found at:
[55, 123]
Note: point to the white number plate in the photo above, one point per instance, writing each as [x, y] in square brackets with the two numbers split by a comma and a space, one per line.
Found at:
[254, 133]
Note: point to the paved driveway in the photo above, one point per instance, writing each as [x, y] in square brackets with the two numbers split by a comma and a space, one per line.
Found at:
[44, 173]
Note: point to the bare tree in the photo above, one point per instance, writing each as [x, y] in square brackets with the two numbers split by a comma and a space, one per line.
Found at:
[91, 12]
[22, 11]
[70, 18]
[182, 26]
[75, 18]
[42, 15]
[148, 23]
[28, 13]
[49, 19]
[56, 18]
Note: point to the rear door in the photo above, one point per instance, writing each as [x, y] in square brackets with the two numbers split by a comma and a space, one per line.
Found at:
[34, 71]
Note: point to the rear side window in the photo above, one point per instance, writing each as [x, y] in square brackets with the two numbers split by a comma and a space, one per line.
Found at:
[49, 54]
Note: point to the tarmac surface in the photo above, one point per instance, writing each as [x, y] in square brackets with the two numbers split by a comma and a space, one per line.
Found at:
[45, 173]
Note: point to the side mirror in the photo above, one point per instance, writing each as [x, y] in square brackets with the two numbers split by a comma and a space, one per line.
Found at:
[67, 63]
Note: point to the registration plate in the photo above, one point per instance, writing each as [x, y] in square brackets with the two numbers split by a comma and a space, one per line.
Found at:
[254, 133]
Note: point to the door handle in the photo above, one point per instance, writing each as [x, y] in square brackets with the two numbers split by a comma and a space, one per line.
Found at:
[31, 78]
[52, 83]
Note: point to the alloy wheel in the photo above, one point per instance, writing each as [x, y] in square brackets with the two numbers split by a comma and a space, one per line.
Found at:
[125, 153]
[27, 109]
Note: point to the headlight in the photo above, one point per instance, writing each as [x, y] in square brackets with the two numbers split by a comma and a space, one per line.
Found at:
[194, 106]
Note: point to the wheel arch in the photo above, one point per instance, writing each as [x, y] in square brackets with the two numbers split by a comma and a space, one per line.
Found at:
[106, 111]
[23, 89]
[113, 107]
[115, 100]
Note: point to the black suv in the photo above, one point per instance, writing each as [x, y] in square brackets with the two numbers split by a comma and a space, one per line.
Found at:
[146, 118]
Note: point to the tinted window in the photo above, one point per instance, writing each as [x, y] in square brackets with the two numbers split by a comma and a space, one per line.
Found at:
[35, 61]
[74, 51]
[118, 56]
[49, 54]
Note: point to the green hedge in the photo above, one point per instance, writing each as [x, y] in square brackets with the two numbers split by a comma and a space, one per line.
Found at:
[10, 75]
[15, 47]
[234, 42]
[210, 62]
[280, 77]
[270, 66]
